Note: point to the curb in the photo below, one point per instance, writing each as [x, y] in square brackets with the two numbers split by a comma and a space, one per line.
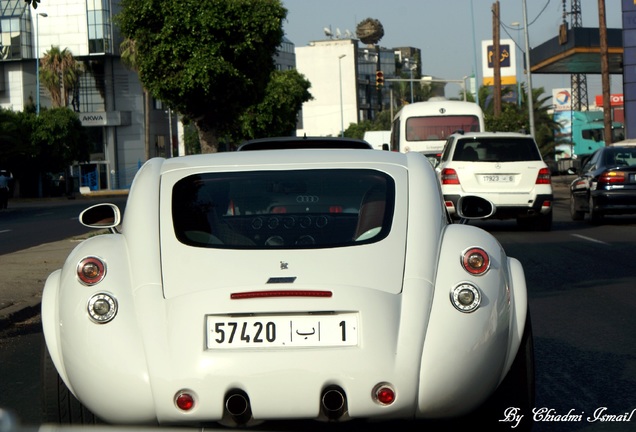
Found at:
[19, 312]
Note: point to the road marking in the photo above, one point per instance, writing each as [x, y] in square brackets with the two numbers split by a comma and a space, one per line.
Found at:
[590, 239]
[4, 231]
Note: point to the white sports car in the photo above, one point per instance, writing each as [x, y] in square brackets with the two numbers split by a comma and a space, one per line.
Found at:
[320, 284]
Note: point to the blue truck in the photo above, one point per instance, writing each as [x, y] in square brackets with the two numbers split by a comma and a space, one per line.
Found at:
[581, 133]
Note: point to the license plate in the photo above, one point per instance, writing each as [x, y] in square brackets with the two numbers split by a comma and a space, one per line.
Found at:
[498, 178]
[282, 331]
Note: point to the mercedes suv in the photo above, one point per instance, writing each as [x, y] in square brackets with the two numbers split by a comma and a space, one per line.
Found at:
[505, 168]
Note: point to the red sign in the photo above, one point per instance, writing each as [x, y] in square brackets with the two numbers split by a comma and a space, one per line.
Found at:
[615, 100]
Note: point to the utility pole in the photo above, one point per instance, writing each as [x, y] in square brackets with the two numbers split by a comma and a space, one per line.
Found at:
[607, 113]
[496, 57]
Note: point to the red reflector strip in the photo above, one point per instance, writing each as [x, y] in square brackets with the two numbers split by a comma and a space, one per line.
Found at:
[280, 293]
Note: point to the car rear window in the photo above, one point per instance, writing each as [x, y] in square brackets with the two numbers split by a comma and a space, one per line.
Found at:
[294, 209]
[434, 128]
[620, 156]
[496, 150]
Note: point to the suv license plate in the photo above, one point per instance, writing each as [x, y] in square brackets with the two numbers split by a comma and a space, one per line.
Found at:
[282, 331]
[497, 178]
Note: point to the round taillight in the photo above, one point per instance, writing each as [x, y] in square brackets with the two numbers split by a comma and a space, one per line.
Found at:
[476, 261]
[102, 308]
[384, 394]
[184, 401]
[91, 270]
[465, 297]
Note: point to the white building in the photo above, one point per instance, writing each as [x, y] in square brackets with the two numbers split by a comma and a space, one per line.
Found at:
[342, 74]
[109, 99]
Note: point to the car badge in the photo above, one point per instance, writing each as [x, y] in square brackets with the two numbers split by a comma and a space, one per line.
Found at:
[498, 165]
[284, 265]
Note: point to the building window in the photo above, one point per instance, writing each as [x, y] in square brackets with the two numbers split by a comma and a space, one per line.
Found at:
[99, 27]
[91, 99]
[15, 31]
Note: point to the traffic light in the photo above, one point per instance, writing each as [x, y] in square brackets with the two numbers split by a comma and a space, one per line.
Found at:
[379, 79]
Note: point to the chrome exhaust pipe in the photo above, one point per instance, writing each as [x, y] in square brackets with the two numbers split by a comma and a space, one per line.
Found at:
[237, 405]
[334, 403]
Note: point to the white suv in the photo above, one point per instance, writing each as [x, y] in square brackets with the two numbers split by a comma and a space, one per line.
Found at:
[505, 168]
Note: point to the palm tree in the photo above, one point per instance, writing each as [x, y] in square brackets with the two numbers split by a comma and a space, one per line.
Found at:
[545, 125]
[59, 73]
[514, 118]
[128, 52]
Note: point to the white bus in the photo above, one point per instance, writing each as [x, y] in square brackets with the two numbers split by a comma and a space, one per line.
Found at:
[424, 126]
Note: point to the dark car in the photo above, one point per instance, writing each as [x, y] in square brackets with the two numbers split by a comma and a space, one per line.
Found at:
[605, 184]
[312, 142]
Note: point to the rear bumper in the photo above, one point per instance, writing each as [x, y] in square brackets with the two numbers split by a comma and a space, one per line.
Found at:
[156, 350]
[615, 201]
[541, 204]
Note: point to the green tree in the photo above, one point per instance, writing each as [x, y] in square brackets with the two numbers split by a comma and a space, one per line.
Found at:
[357, 130]
[59, 73]
[514, 118]
[14, 140]
[58, 140]
[33, 3]
[277, 114]
[208, 60]
[545, 125]
[382, 122]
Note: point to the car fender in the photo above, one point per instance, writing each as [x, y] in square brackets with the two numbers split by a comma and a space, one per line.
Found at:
[465, 355]
[50, 320]
[103, 365]
[519, 294]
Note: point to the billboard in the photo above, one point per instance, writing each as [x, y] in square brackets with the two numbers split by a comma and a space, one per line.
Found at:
[562, 99]
[507, 62]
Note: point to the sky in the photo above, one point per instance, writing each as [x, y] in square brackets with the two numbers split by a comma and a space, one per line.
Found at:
[444, 30]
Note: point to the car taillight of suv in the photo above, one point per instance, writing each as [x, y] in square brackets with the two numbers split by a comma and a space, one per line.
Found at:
[544, 176]
[449, 176]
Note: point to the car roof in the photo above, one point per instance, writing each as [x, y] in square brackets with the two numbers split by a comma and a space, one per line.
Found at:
[282, 143]
[624, 143]
[290, 158]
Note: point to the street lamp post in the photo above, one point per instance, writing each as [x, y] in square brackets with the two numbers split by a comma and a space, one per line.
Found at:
[37, 60]
[528, 75]
[341, 106]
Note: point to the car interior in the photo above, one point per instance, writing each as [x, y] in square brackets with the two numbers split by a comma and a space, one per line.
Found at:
[292, 209]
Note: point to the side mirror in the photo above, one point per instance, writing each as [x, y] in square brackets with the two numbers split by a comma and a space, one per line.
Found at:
[474, 207]
[101, 216]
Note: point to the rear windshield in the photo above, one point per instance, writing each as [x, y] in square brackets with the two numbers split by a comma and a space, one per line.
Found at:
[283, 209]
[435, 128]
[620, 156]
[496, 150]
